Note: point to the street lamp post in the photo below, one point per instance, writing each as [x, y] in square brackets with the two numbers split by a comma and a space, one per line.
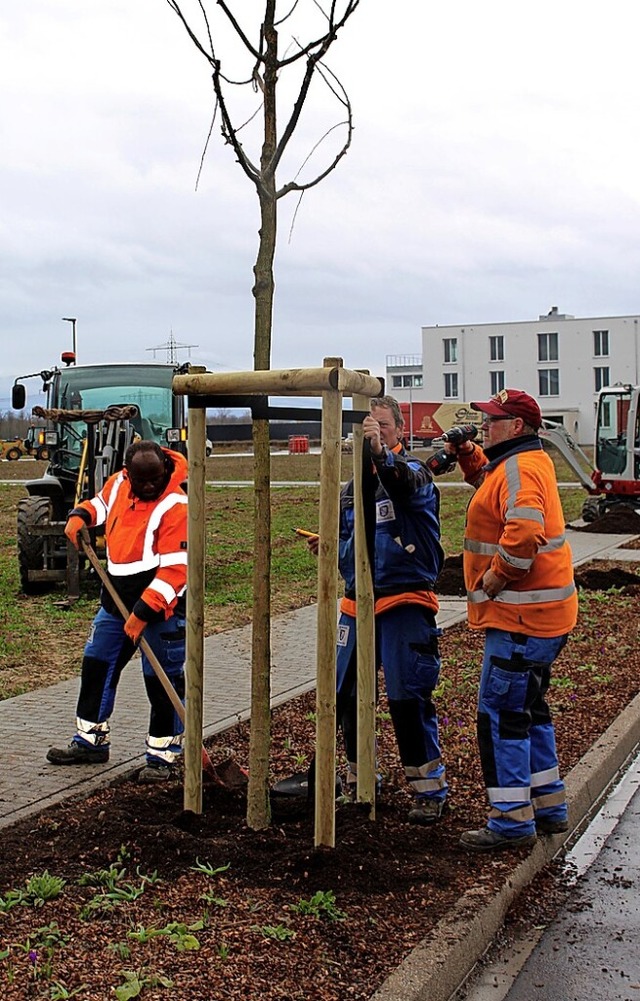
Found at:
[72, 320]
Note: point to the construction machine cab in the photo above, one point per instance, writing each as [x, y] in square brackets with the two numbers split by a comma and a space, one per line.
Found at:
[92, 414]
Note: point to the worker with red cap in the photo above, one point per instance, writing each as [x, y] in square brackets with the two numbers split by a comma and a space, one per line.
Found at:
[518, 573]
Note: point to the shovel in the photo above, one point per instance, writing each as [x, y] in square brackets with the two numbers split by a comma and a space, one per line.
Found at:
[207, 764]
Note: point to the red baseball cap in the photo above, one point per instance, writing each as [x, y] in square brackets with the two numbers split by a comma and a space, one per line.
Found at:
[512, 403]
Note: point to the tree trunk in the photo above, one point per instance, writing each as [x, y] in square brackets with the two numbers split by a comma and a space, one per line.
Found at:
[258, 804]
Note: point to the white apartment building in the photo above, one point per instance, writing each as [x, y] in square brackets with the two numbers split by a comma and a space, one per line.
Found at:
[560, 359]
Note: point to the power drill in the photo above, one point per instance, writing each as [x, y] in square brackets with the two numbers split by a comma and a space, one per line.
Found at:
[442, 462]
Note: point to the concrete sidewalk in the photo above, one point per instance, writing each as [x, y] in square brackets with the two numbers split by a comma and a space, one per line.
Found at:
[31, 723]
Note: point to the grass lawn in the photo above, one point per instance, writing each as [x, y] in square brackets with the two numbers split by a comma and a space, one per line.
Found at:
[42, 641]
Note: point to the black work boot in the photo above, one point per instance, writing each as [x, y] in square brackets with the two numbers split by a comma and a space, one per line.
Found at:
[155, 772]
[78, 754]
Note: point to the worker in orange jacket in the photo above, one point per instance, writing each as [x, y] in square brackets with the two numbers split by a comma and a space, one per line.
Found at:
[518, 574]
[143, 510]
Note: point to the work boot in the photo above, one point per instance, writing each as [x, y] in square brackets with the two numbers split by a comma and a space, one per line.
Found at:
[426, 810]
[78, 754]
[153, 772]
[486, 840]
[546, 825]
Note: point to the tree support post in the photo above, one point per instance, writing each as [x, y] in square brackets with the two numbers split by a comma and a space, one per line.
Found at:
[365, 631]
[330, 456]
[194, 665]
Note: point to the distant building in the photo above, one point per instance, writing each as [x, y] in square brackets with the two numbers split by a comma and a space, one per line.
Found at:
[560, 359]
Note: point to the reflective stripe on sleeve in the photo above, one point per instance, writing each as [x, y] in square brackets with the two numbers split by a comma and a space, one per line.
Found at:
[541, 595]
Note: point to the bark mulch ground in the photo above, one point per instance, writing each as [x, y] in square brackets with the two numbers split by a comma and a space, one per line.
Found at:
[124, 895]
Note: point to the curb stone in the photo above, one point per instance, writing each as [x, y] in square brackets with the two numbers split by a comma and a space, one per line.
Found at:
[441, 962]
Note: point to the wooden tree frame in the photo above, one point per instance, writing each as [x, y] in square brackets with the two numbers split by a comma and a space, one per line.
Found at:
[331, 382]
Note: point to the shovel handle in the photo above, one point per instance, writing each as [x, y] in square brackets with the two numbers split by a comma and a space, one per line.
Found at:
[122, 608]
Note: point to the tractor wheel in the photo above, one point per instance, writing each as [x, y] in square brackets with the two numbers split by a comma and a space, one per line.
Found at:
[592, 509]
[42, 453]
[13, 454]
[32, 511]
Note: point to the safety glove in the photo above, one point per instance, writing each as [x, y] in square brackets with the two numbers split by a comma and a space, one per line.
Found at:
[72, 529]
[134, 627]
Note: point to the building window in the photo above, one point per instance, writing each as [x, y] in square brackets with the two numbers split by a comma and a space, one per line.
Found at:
[601, 343]
[601, 377]
[450, 385]
[497, 382]
[549, 382]
[496, 348]
[547, 347]
[450, 350]
[406, 381]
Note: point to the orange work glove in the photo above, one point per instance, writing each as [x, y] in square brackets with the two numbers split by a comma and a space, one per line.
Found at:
[134, 627]
[72, 529]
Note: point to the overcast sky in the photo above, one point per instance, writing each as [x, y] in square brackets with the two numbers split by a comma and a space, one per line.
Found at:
[494, 172]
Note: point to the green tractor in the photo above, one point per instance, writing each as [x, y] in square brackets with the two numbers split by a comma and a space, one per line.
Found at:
[93, 414]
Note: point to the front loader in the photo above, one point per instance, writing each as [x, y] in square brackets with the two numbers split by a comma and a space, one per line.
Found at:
[92, 414]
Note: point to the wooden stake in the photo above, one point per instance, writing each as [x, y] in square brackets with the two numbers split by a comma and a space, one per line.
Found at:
[365, 632]
[331, 450]
[194, 663]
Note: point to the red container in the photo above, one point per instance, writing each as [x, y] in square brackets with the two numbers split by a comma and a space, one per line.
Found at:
[298, 444]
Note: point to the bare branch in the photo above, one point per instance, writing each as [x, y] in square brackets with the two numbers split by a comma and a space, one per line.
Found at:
[175, 7]
[325, 40]
[286, 16]
[295, 216]
[229, 133]
[240, 33]
[294, 186]
[206, 145]
[312, 65]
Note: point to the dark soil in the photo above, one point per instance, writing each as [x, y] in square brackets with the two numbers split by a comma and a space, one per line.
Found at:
[597, 576]
[391, 881]
[622, 521]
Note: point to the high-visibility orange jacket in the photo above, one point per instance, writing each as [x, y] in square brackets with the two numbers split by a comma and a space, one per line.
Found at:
[515, 527]
[146, 541]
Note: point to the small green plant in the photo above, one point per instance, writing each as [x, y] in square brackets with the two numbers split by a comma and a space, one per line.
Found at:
[39, 889]
[562, 682]
[178, 933]
[321, 905]
[135, 983]
[223, 951]
[280, 933]
[58, 991]
[213, 900]
[103, 877]
[208, 870]
[11, 899]
[121, 949]
[120, 893]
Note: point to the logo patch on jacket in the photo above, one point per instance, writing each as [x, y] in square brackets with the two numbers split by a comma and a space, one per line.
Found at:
[384, 511]
[183, 545]
[343, 635]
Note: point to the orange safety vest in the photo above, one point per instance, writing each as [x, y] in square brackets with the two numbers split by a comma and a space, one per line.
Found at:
[515, 527]
[146, 537]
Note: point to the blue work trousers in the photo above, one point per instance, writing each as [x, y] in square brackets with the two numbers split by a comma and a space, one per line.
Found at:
[407, 648]
[515, 732]
[107, 652]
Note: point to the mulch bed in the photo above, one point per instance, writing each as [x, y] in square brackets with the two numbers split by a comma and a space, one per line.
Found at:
[377, 894]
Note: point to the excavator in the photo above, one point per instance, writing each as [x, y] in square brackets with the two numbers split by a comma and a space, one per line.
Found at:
[612, 480]
[92, 414]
